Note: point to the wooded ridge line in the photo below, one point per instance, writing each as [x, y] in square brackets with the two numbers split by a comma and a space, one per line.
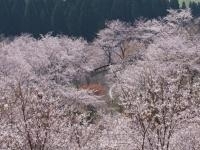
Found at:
[77, 17]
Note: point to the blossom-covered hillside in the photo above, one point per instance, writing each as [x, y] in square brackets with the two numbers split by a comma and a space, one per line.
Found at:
[135, 87]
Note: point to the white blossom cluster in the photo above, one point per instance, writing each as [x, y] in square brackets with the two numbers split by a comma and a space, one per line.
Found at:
[152, 100]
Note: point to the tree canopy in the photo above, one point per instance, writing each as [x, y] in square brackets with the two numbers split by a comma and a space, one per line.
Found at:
[150, 99]
[74, 17]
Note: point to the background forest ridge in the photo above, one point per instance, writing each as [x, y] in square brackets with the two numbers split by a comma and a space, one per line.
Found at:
[77, 17]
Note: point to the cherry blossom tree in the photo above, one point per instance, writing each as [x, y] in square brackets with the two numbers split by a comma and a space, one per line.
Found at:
[161, 92]
[39, 105]
[113, 39]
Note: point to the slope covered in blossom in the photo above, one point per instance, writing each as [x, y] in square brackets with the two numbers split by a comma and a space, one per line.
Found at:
[51, 88]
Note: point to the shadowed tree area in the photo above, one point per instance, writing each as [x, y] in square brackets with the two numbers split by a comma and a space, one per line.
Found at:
[74, 17]
[78, 17]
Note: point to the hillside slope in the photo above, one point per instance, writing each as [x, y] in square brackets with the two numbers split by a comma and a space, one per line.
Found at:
[188, 1]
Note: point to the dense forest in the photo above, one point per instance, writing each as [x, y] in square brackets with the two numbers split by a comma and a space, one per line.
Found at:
[75, 17]
[134, 87]
[195, 7]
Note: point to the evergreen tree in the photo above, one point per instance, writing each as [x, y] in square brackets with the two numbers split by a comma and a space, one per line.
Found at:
[183, 5]
[102, 13]
[32, 16]
[159, 7]
[146, 9]
[46, 15]
[88, 19]
[73, 18]
[195, 8]
[135, 9]
[17, 16]
[57, 20]
[4, 17]
[118, 10]
[174, 4]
